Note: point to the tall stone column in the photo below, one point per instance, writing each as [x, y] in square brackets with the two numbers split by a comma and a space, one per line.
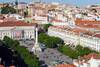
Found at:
[36, 38]
[36, 48]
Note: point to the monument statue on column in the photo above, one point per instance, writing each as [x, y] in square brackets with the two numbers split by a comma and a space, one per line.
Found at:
[36, 48]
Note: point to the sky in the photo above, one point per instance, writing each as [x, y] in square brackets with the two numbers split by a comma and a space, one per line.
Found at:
[74, 2]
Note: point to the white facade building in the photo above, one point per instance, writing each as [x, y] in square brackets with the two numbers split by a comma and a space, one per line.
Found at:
[17, 30]
[70, 36]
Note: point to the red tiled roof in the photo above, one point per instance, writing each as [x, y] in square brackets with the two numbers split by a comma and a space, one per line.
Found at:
[77, 30]
[65, 65]
[95, 56]
[87, 23]
[14, 23]
[74, 30]
[1, 65]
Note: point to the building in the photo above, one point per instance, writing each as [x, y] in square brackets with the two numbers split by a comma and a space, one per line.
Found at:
[65, 65]
[75, 36]
[17, 30]
[22, 6]
[15, 16]
[58, 22]
[3, 5]
[91, 60]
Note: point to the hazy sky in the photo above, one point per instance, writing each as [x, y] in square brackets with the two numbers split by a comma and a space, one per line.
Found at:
[75, 2]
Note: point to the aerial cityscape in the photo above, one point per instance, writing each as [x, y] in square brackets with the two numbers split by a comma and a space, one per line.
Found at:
[49, 33]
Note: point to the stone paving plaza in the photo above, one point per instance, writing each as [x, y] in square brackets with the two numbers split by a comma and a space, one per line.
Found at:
[52, 56]
[49, 56]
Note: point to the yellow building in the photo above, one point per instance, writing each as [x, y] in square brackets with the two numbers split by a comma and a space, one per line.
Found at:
[2, 5]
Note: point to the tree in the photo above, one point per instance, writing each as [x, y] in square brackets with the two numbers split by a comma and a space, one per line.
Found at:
[49, 41]
[46, 26]
[79, 51]
[29, 59]
[78, 47]
[84, 50]
[8, 9]
[68, 51]
[8, 41]
[42, 37]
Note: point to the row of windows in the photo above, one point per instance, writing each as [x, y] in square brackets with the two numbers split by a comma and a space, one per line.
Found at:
[30, 32]
[11, 33]
[20, 37]
[85, 40]
[4, 34]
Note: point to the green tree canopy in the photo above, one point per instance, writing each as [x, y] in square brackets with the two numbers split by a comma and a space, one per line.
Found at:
[29, 59]
[68, 51]
[49, 41]
[75, 53]
[8, 9]
[46, 26]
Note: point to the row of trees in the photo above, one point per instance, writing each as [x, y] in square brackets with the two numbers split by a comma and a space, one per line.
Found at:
[76, 52]
[30, 59]
[68, 51]
[50, 42]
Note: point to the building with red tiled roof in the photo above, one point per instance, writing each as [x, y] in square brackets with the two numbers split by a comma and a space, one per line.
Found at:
[88, 23]
[15, 23]
[75, 36]
[17, 30]
[65, 65]
[89, 56]
[90, 60]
